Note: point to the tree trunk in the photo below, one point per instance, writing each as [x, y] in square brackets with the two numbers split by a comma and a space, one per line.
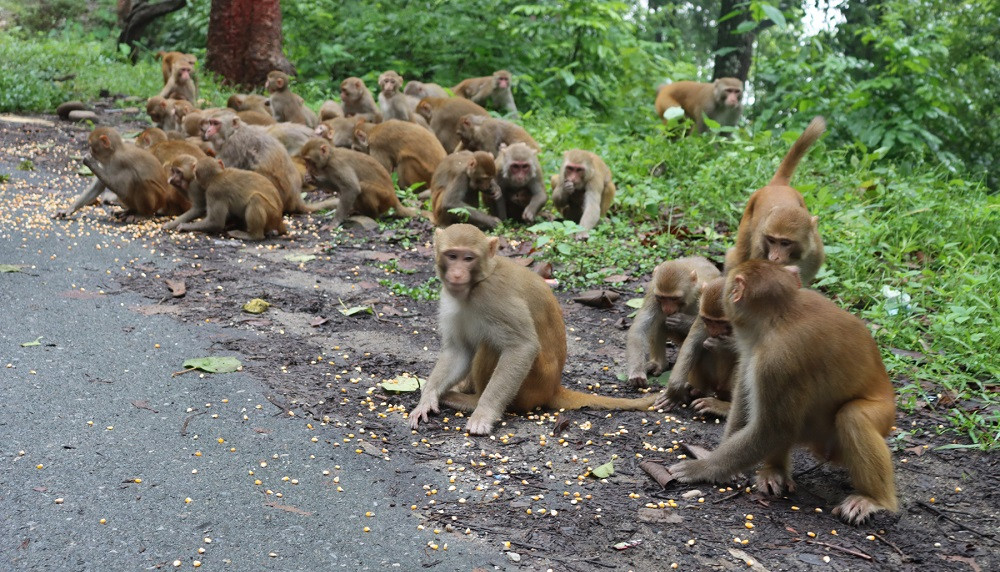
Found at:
[733, 52]
[244, 41]
[134, 17]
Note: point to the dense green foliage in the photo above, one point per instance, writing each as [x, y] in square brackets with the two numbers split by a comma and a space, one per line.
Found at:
[909, 89]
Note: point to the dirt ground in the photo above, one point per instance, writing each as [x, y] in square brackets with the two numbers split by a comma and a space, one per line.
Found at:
[525, 491]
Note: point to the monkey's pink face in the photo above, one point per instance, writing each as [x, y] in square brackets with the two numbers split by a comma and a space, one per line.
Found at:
[717, 328]
[503, 82]
[519, 172]
[574, 173]
[177, 179]
[669, 305]
[733, 97]
[209, 128]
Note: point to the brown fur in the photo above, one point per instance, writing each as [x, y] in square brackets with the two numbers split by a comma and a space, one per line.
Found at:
[457, 183]
[443, 114]
[583, 189]
[719, 100]
[409, 150]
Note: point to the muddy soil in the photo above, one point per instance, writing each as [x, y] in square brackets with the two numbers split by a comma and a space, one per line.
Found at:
[526, 491]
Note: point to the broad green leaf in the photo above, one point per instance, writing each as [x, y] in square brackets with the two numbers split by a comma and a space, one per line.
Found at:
[634, 303]
[673, 113]
[256, 306]
[356, 310]
[37, 342]
[774, 15]
[9, 268]
[214, 364]
[604, 471]
[403, 383]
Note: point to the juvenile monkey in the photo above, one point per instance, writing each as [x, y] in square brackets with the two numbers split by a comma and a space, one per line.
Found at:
[810, 374]
[420, 90]
[182, 83]
[168, 59]
[285, 105]
[249, 102]
[519, 176]
[501, 327]
[406, 148]
[443, 114]
[330, 110]
[291, 135]
[457, 183]
[776, 225]
[392, 101]
[365, 186]
[234, 196]
[164, 149]
[357, 100]
[339, 131]
[480, 133]
[706, 360]
[667, 312]
[583, 189]
[495, 87]
[131, 173]
[720, 100]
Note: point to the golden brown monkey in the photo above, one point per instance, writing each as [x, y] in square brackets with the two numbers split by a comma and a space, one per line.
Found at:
[182, 83]
[706, 360]
[519, 176]
[330, 110]
[776, 225]
[443, 114]
[420, 90]
[583, 189]
[131, 173]
[501, 327]
[392, 101]
[364, 185]
[249, 102]
[285, 105]
[168, 59]
[356, 99]
[406, 148]
[457, 184]
[494, 87]
[667, 312]
[720, 100]
[480, 133]
[809, 374]
[339, 131]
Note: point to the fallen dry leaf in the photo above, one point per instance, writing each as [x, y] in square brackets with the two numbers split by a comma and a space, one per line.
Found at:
[544, 270]
[177, 287]
[598, 298]
[616, 278]
[288, 508]
[318, 321]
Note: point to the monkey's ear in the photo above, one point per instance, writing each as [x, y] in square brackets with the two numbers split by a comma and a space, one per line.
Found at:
[472, 164]
[236, 122]
[739, 285]
[794, 271]
[493, 244]
[694, 277]
[221, 164]
[267, 102]
[324, 149]
[502, 147]
[105, 141]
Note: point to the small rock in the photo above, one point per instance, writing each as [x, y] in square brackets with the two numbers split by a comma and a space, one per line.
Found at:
[691, 494]
[514, 556]
[357, 222]
[64, 110]
[130, 110]
[82, 115]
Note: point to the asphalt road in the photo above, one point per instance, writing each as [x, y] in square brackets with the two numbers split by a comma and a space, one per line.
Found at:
[110, 463]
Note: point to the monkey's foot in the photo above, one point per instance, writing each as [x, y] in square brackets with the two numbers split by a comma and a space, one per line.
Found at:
[638, 381]
[654, 367]
[479, 425]
[692, 471]
[774, 481]
[856, 509]
[711, 406]
[420, 413]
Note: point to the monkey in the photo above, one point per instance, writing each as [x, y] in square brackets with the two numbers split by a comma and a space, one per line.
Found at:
[720, 100]
[668, 310]
[250, 147]
[249, 102]
[391, 100]
[262, 119]
[706, 360]
[155, 141]
[357, 100]
[131, 173]
[519, 176]
[226, 195]
[501, 327]
[456, 184]
[420, 90]
[285, 105]
[583, 189]
[809, 373]
[292, 135]
[409, 150]
[443, 114]
[339, 131]
[170, 58]
[182, 83]
[776, 224]
[167, 114]
[365, 186]
[158, 108]
[479, 133]
[495, 87]
[330, 110]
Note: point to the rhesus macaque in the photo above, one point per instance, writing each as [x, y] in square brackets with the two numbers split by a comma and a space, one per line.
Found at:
[285, 105]
[406, 148]
[234, 196]
[706, 360]
[249, 102]
[182, 83]
[457, 183]
[292, 135]
[501, 327]
[667, 312]
[339, 131]
[519, 176]
[776, 225]
[479, 133]
[364, 185]
[720, 100]
[155, 140]
[391, 99]
[131, 173]
[357, 100]
[583, 189]
[171, 58]
[811, 374]
[443, 114]
[330, 110]
[495, 87]
[420, 90]
[250, 147]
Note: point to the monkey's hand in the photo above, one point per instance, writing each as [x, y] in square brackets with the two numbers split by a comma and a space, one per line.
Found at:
[692, 471]
[494, 192]
[711, 406]
[678, 322]
[675, 394]
[62, 213]
[654, 368]
[717, 343]
[308, 179]
[638, 380]
[568, 187]
[420, 412]
[774, 481]
[856, 509]
[582, 235]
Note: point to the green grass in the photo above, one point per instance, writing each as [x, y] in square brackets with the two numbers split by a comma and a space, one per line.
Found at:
[912, 227]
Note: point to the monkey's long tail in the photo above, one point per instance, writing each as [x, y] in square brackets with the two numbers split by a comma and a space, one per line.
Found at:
[787, 168]
[569, 399]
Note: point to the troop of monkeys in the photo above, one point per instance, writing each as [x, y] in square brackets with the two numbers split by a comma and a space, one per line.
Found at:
[781, 362]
